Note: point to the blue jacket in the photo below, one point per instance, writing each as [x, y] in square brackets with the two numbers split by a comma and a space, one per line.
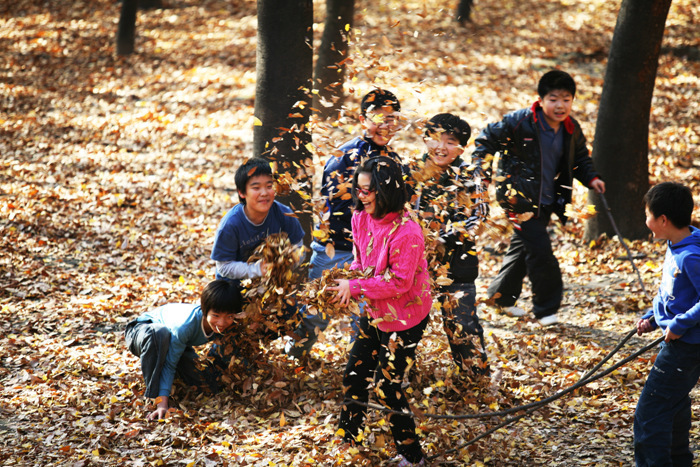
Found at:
[677, 304]
[184, 321]
[336, 186]
[518, 177]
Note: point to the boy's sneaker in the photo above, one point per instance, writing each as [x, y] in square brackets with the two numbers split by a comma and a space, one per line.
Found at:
[548, 320]
[401, 461]
[513, 311]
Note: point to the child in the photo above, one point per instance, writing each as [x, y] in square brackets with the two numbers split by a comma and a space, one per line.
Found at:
[163, 339]
[398, 297]
[662, 417]
[541, 150]
[446, 135]
[379, 121]
[249, 223]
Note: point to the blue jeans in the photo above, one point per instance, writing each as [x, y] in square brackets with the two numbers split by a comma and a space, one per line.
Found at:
[662, 417]
[311, 324]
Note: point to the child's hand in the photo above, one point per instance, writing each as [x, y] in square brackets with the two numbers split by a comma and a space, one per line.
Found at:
[161, 408]
[344, 295]
[598, 185]
[643, 325]
[264, 267]
[671, 336]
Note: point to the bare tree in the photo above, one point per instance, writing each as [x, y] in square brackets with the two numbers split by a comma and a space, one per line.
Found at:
[621, 145]
[282, 102]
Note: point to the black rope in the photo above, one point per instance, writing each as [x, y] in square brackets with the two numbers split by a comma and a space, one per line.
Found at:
[619, 236]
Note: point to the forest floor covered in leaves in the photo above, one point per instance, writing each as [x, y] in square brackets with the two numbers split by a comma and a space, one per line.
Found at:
[116, 171]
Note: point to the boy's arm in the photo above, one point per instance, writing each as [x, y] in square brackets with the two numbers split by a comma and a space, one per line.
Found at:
[239, 269]
[691, 318]
[492, 139]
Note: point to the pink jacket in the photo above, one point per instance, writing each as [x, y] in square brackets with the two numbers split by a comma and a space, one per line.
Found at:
[399, 292]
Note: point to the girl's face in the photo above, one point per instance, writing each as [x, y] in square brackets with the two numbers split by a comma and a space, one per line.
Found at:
[367, 197]
[218, 322]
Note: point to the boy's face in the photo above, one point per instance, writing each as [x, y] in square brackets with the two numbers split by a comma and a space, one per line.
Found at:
[556, 106]
[380, 124]
[218, 322]
[657, 225]
[443, 148]
[259, 194]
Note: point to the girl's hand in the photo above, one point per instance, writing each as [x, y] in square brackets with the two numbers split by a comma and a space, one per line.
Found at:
[343, 289]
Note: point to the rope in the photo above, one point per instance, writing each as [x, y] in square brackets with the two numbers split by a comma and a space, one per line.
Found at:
[619, 236]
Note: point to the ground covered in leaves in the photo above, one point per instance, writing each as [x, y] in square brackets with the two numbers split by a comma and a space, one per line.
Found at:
[116, 171]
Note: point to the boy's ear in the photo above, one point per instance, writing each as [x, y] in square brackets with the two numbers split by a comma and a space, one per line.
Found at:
[241, 195]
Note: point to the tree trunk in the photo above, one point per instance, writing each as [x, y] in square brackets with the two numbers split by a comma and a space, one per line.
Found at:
[282, 102]
[126, 31]
[150, 4]
[621, 145]
[329, 73]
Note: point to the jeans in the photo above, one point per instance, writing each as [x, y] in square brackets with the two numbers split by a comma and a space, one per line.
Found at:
[311, 324]
[384, 356]
[530, 253]
[462, 326]
[150, 342]
[662, 417]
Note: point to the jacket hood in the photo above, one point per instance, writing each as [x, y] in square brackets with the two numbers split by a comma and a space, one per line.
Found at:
[692, 241]
[568, 124]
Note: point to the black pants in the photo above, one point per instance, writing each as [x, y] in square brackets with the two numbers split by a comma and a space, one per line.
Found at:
[375, 351]
[463, 328]
[530, 253]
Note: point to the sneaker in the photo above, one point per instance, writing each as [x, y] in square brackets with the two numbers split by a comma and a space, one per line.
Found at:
[548, 320]
[401, 461]
[513, 311]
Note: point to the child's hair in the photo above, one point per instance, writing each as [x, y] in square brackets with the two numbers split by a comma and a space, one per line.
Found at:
[251, 168]
[386, 180]
[450, 124]
[673, 200]
[221, 295]
[556, 80]
[378, 98]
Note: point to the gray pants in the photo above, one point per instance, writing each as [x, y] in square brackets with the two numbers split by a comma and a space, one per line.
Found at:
[150, 342]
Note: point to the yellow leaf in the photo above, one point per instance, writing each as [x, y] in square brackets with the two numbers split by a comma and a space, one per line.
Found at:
[256, 121]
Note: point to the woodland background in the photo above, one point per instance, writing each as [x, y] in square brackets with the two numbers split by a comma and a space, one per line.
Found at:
[116, 171]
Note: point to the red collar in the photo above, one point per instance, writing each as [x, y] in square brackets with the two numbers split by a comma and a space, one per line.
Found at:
[568, 124]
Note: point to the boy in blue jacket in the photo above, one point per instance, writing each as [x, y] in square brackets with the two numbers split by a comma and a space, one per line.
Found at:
[541, 150]
[380, 120]
[164, 338]
[662, 417]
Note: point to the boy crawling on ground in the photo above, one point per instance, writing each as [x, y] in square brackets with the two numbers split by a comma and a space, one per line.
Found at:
[164, 338]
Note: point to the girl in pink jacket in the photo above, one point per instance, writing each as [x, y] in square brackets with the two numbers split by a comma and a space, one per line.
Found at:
[398, 304]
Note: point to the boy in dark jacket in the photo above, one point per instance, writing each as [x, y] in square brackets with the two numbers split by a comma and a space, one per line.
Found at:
[663, 416]
[451, 199]
[380, 120]
[541, 150]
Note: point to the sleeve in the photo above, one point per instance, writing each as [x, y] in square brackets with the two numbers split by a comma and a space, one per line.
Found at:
[404, 257]
[179, 336]
[493, 139]
[691, 318]
[472, 179]
[238, 269]
[226, 241]
[583, 164]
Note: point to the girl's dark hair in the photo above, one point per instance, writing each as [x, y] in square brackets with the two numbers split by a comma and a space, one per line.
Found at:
[673, 200]
[252, 167]
[450, 124]
[386, 180]
[378, 98]
[221, 295]
[556, 80]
